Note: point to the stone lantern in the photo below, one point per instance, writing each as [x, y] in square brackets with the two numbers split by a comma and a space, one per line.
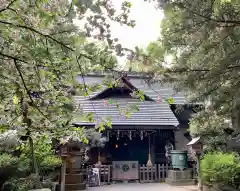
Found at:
[196, 147]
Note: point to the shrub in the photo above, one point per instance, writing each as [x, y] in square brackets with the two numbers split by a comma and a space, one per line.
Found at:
[23, 184]
[7, 160]
[11, 166]
[220, 168]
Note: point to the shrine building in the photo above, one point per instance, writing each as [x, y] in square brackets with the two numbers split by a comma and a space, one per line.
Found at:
[139, 135]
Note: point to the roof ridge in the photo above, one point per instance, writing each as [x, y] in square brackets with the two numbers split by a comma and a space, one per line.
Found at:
[113, 73]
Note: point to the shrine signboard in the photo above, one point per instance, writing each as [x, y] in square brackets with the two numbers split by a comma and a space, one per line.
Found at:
[125, 170]
[94, 177]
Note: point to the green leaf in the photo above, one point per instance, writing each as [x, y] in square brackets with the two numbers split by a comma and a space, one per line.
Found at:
[90, 117]
[16, 100]
[110, 101]
[171, 100]
[101, 128]
[4, 128]
[85, 140]
[109, 122]
[134, 108]
[140, 94]
[128, 4]
[128, 114]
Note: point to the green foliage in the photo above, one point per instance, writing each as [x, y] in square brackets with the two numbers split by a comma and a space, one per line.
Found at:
[204, 49]
[20, 167]
[11, 166]
[202, 38]
[42, 51]
[21, 184]
[16, 184]
[220, 168]
[212, 129]
[7, 160]
[46, 158]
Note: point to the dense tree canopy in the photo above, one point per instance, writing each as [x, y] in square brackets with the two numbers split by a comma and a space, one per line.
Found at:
[203, 39]
[41, 51]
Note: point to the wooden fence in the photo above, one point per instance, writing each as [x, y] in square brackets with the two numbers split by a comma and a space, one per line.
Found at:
[156, 173]
[105, 174]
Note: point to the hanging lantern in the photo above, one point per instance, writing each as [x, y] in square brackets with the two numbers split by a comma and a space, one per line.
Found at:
[141, 135]
[130, 135]
[118, 134]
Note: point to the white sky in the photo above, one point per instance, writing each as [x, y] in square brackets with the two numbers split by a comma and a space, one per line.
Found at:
[147, 27]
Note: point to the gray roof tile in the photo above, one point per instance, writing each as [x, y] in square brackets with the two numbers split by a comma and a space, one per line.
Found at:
[151, 112]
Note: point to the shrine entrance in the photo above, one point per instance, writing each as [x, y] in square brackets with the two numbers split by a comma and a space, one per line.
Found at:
[133, 145]
[124, 149]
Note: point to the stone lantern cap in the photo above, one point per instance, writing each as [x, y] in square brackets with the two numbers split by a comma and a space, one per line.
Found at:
[194, 141]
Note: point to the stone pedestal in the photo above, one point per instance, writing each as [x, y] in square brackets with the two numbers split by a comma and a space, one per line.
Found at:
[180, 178]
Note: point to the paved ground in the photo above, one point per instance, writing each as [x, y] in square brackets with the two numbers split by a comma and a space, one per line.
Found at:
[141, 187]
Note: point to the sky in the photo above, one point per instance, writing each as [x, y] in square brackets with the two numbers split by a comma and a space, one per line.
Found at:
[147, 29]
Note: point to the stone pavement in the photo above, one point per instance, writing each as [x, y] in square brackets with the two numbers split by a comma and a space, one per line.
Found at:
[142, 187]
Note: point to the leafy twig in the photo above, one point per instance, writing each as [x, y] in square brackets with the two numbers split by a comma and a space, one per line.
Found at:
[26, 88]
[234, 22]
[4, 9]
[48, 37]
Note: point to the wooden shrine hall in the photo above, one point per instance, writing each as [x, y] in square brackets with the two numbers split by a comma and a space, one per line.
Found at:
[141, 136]
[142, 133]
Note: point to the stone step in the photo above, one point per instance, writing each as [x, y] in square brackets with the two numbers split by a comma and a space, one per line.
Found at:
[186, 182]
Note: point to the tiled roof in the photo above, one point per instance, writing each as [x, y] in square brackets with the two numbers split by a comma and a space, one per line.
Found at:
[153, 90]
[151, 112]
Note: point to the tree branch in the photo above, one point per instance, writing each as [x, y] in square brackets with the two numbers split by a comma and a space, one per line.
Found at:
[12, 57]
[26, 88]
[183, 70]
[70, 9]
[48, 37]
[22, 79]
[181, 6]
[4, 9]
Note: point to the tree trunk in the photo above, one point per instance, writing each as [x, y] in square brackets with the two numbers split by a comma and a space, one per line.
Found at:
[34, 160]
[236, 116]
[63, 174]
